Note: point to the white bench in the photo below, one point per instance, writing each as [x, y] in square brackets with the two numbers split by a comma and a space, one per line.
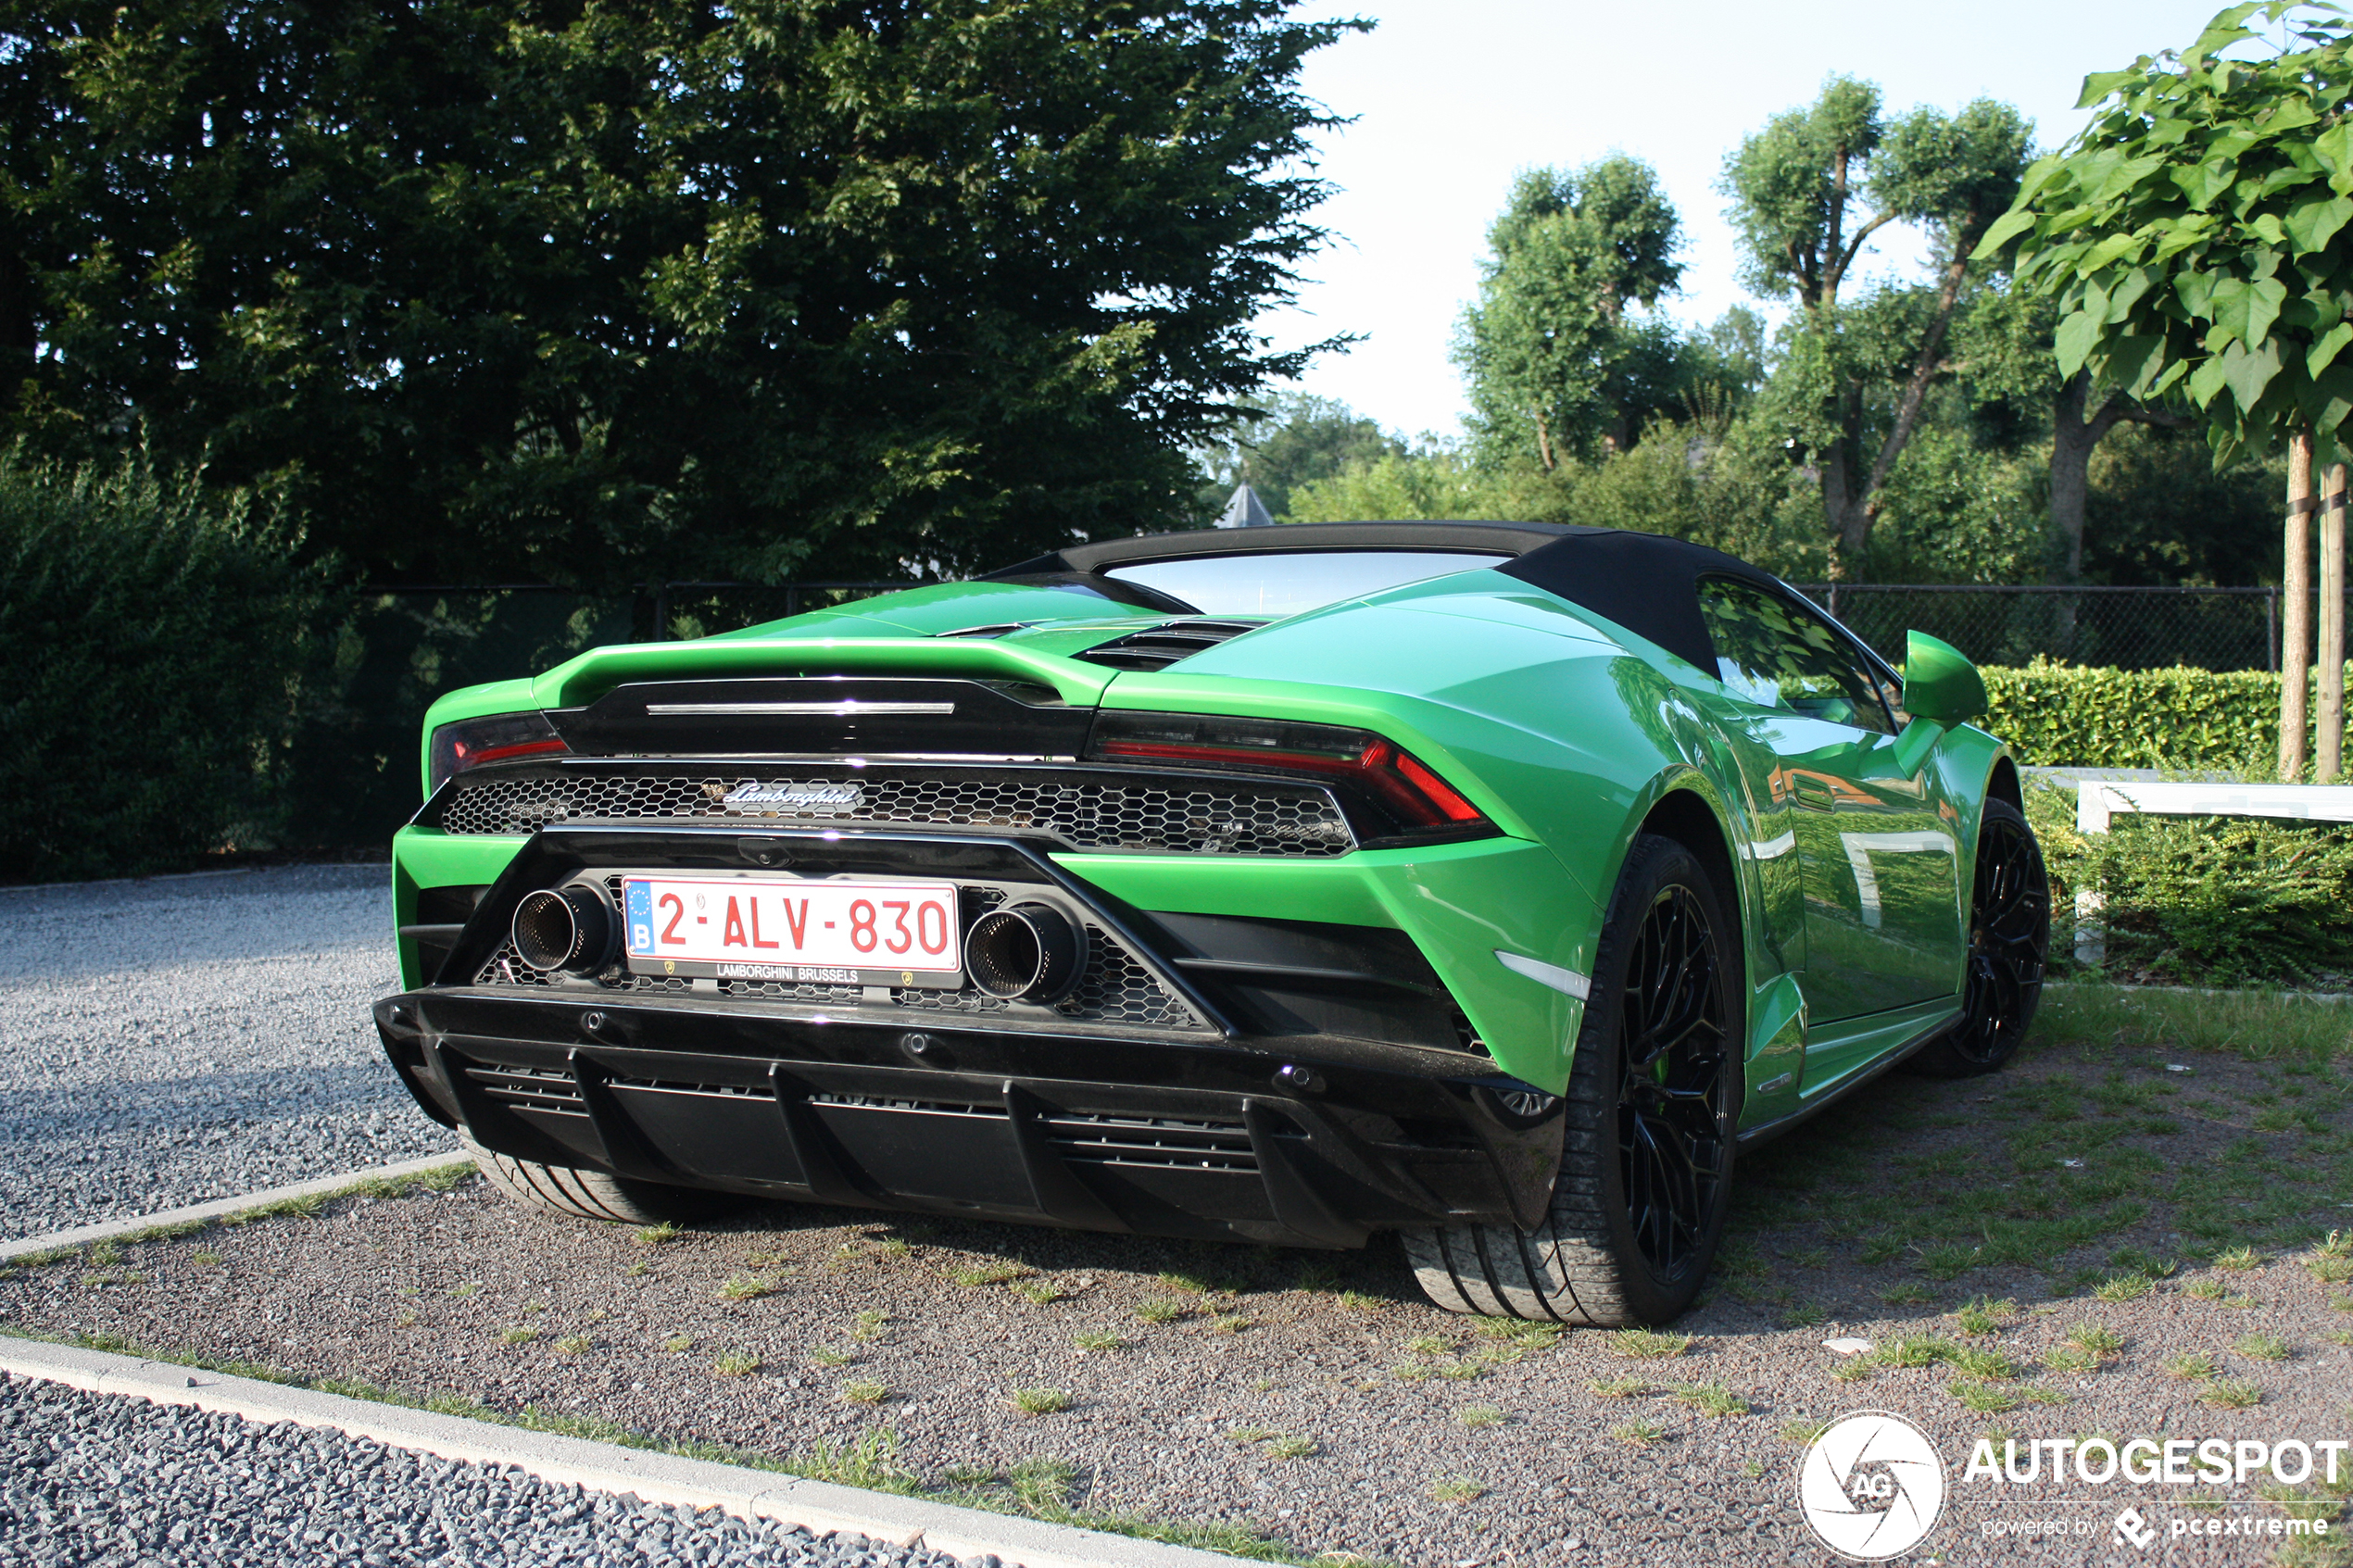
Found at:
[2097, 800]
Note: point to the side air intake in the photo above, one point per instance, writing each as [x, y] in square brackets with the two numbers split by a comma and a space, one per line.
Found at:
[1157, 648]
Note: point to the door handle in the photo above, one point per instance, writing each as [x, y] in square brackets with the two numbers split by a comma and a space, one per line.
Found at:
[1815, 793]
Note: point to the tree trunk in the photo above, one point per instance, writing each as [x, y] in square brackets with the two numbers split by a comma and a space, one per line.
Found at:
[2296, 596]
[1543, 441]
[1846, 507]
[2328, 745]
[2074, 431]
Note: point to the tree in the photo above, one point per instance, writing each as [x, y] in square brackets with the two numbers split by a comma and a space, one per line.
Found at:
[1293, 439]
[1808, 192]
[657, 286]
[2002, 343]
[2186, 236]
[1553, 359]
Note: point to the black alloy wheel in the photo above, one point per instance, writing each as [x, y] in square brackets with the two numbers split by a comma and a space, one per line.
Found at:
[1647, 1122]
[2009, 943]
[1674, 1122]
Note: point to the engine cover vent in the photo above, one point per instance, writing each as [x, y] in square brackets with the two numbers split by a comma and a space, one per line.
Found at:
[1157, 648]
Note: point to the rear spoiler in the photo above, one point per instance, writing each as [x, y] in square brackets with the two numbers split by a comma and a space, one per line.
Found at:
[589, 676]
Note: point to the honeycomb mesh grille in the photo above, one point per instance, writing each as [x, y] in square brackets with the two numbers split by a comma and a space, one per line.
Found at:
[1116, 988]
[1177, 815]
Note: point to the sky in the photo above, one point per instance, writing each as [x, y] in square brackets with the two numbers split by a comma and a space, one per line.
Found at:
[1451, 98]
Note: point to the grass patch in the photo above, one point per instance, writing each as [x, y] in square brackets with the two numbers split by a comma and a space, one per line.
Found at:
[2097, 1340]
[1980, 1317]
[1987, 1366]
[1648, 1345]
[2124, 1287]
[1619, 1388]
[1712, 1399]
[522, 1333]
[1095, 1339]
[2263, 1347]
[997, 1271]
[2226, 1393]
[747, 1287]
[1477, 1416]
[1455, 1488]
[864, 1391]
[1161, 1310]
[735, 1363]
[1039, 1401]
[2193, 1367]
[1291, 1447]
[656, 1236]
[1639, 1434]
[2252, 1025]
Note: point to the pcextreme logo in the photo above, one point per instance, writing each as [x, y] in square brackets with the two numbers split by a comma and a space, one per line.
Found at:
[1872, 1486]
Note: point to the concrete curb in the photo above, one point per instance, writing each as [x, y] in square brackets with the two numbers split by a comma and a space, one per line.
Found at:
[221, 1207]
[819, 1507]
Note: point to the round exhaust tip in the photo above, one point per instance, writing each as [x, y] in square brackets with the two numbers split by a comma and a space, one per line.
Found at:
[1024, 952]
[563, 928]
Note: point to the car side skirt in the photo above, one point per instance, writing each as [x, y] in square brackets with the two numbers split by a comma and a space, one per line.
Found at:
[1907, 1046]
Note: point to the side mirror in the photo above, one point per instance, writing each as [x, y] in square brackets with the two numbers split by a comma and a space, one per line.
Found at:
[1939, 683]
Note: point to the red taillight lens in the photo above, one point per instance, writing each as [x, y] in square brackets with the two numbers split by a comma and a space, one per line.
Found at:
[501, 738]
[1416, 796]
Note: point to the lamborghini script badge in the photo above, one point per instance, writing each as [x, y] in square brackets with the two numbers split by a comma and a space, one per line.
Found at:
[793, 796]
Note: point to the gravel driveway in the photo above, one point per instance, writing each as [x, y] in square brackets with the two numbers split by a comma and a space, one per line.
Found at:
[167, 1041]
[100, 1480]
[2100, 1241]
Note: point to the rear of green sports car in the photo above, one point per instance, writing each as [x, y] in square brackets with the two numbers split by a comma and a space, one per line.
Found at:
[1013, 899]
[1487, 882]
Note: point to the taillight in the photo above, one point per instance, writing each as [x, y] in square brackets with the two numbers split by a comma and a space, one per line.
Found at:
[1403, 785]
[470, 743]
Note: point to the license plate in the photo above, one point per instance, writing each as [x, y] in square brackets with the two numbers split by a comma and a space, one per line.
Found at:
[819, 932]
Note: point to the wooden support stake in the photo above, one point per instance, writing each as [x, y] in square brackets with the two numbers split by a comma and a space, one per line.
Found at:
[2328, 745]
[2296, 621]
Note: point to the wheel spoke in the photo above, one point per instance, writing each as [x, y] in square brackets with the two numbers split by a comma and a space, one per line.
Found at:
[1673, 1061]
[2010, 923]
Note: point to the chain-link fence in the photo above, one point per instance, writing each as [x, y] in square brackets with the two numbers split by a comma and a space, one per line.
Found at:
[2126, 628]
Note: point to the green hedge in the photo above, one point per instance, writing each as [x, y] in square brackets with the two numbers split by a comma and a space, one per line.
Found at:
[154, 636]
[2204, 900]
[2065, 716]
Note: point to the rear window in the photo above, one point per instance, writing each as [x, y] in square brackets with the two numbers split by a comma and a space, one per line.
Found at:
[1282, 583]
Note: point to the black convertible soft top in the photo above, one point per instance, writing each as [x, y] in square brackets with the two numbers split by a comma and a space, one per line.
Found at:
[1645, 582]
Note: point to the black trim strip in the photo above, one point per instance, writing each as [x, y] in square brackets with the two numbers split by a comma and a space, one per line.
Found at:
[1885, 1065]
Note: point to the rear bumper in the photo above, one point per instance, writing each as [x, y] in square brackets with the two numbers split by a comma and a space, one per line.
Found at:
[1294, 1141]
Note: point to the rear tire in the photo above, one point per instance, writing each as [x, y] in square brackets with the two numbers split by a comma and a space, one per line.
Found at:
[2010, 942]
[1646, 1157]
[577, 1193]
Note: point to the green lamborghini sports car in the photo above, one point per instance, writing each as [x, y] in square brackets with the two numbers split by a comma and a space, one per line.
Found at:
[1493, 885]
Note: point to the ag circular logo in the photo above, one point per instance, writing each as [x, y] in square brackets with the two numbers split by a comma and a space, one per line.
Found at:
[1872, 1486]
